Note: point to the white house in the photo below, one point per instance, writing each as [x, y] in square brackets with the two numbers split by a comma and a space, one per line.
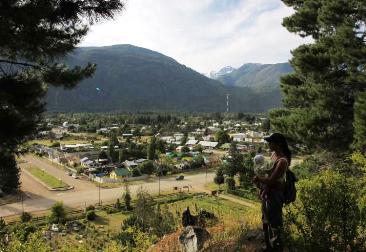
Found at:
[130, 164]
[208, 144]
[191, 142]
[240, 137]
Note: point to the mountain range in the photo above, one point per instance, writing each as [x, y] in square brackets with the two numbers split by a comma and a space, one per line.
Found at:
[130, 78]
[258, 76]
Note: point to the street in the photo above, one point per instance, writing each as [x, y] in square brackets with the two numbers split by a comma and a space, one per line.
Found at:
[85, 192]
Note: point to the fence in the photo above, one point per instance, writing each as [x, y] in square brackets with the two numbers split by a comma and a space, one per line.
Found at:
[110, 180]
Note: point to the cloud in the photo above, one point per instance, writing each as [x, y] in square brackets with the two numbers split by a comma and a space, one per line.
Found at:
[204, 35]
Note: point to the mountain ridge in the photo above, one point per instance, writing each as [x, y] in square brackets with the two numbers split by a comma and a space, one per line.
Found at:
[130, 78]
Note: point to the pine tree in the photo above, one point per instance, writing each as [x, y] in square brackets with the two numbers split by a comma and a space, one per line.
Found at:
[151, 152]
[9, 173]
[319, 96]
[34, 35]
[360, 122]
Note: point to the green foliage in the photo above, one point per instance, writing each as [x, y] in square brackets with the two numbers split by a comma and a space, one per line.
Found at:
[185, 149]
[55, 145]
[230, 182]
[222, 137]
[25, 217]
[90, 215]
[360, 122]
[150, 217]
[22, 230]
[359, 159]
[175, 86]
[198, 162]
[136, 172]
[102, 155]
[247, 173]
[90, 208]
[312, 165]
[113, 154]
[266, 125]
[134, 240]
[320, 95]
[29, 49]
[127, 198]
[113, 140]
[326, 214]
[3, 230]
[151, 151]
[198, 148]
[219, 178]
[147, 168]
[35, 242]
[9, 172]
[122, 155]
[234, 162]
[58, 213]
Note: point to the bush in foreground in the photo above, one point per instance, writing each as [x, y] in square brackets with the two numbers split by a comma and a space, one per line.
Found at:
[326, 215]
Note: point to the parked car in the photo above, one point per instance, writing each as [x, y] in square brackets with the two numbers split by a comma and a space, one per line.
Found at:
[180, 177]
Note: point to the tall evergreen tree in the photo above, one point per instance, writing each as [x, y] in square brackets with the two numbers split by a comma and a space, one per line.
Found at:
[360, 122]
[151, 151]
[328, 74]
[34, 35]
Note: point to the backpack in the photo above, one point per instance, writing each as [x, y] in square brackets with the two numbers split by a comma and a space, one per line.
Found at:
[290, 188]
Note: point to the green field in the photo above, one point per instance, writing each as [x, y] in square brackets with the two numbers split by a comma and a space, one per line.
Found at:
[48, 179]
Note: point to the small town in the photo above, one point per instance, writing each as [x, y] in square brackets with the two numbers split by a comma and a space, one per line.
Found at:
[182, 126]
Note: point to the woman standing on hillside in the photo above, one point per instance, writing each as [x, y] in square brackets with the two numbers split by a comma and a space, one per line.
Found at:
[272, 194]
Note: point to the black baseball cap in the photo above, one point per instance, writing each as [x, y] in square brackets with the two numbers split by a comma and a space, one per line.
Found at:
[276, 138]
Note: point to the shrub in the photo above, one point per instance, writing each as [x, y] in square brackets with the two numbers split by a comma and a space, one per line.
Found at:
[134, 239]
[147, 168]
[127, 198]
[55, 144]
[230, 182]
[136, 172]
[219, 178]
[58, 213]
[22, 230]
[326, 215]
[90, 208]
[3, 229]
[90, 215]
[25, 217]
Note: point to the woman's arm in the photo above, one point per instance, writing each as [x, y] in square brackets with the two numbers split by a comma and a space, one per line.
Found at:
[276, 174]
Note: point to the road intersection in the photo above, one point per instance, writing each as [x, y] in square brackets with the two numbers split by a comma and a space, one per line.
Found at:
[86, 192]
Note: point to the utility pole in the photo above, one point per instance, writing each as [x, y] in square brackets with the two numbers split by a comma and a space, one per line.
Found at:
[159, 178]
[227, 103]
[99, 194]
[22, 199]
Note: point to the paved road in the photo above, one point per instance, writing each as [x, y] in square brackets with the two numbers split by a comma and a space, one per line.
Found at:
[79, 185]
[85, 192]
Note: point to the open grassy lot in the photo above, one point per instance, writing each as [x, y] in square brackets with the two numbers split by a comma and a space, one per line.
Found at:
[48, 179]
[229, 213]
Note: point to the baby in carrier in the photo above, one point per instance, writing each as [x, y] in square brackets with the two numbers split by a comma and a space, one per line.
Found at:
[263, 169]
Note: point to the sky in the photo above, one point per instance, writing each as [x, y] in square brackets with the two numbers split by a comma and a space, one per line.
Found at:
[205, 35]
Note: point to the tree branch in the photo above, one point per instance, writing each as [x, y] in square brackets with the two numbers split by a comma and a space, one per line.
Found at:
[19, 63]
